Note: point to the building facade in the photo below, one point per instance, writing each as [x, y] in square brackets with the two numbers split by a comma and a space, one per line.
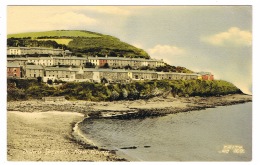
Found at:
[143, 75]
[206, 76]
[44, 61]
[72, 61]
[72, 68]
[114, 75]
[34, 71]
[14, 70]
[19, 61]
[80, 74]
[33, 50]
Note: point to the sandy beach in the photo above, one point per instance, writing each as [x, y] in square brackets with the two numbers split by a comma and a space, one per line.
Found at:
[42, 131]
[46, 136]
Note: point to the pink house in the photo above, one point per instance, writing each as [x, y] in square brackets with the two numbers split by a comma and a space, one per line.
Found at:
[207, 76]
[13, 70]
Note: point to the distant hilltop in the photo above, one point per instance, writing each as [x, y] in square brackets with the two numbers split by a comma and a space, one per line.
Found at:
[81, 43]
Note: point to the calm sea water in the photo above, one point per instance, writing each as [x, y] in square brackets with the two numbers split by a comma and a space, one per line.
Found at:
[215, 134]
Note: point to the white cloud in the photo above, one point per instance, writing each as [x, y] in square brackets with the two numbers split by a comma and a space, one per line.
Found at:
[69, 19]
[41, 18]
[138, 45]
[115, 10]
[233, 37]
[166, 52]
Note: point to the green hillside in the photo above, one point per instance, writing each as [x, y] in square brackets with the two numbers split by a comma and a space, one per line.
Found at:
[79, 42]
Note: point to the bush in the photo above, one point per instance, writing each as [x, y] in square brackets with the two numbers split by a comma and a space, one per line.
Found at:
[14, 93]
[49, 82]
[19, 89]
[114, 95]
[124, 93]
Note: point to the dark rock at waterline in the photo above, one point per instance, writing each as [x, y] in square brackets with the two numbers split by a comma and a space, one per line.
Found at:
[95, 114]
[140, 114]
[113, 151]
[147, 146]
[133, 147]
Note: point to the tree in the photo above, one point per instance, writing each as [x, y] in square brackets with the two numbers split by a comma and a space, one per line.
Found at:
[30, 63]
[145, 68]
[39, 79]
[128, 67]
[14, 93]
[49, 82]
[106, 65]
[124, 93]
[104, 80]
[114, 95]
[89, 65]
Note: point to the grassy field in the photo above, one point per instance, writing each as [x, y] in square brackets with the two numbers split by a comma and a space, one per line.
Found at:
[78, 41]
[59, 33]
[59, 41]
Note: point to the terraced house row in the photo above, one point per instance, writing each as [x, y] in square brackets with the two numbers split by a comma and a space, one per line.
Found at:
[112, 62]
[70, 68]
[98, 75]
[20, 51]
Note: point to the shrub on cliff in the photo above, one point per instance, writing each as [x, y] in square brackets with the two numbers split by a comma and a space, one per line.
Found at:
[114, 95]
[203, 88]
[14, 93]
[124, 93]
[24, 89]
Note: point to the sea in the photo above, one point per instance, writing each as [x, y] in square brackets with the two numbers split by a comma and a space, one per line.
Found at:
[223, 133]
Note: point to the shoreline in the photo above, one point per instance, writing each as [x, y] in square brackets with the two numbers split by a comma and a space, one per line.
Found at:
[47, 136]
[123, 110]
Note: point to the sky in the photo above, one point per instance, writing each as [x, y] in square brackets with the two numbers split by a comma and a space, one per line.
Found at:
[217, 39]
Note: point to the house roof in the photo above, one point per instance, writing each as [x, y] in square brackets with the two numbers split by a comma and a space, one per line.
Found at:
[42, 48]
[101, 58]
[175, 73]
[142, 71]
[13, 65]
[123, 59]
[70, 58]
[34, 67]
[112, 70]
[40, 58]
[204, 73]
[62, 69]
[16, 59]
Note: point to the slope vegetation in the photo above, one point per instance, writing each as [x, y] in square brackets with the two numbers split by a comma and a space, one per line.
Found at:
[78, 41]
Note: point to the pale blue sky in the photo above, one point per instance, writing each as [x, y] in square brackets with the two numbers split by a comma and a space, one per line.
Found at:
[202, 38]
